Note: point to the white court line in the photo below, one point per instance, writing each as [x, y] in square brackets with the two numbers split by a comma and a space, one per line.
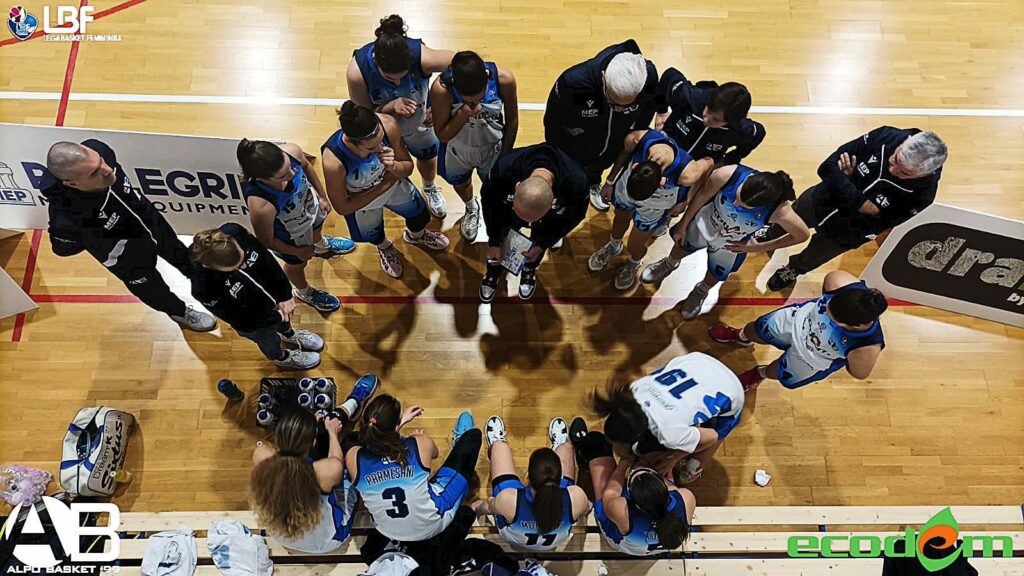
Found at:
[283, 101]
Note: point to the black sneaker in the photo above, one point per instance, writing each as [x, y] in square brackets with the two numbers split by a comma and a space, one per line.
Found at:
[489, 287]
[761, 235]
[577, 430]
[527, 283]
[783, 278]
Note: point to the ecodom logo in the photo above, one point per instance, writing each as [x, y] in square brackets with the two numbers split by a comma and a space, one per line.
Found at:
[935, 546]
[40, 558]
[965, 264]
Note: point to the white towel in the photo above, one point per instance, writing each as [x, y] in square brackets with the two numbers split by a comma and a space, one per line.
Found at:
[238, 552]
[391, 564]
[170, 553]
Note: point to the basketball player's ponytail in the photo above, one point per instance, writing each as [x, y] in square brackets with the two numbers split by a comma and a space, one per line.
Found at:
[357, 122]
[624, 420]
[259, 158]
[767, 188]
[855, 307]
[545, 477]
[214, 248]
[380, 429]
[283, 489]
[648, 492]
[390, 50]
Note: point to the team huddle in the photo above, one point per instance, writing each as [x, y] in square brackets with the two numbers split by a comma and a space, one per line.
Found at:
[669, 152]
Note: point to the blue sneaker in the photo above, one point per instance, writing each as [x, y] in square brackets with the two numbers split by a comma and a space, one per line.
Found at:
[336, 246]
[322, 300]
[462, 425]
[363, 390]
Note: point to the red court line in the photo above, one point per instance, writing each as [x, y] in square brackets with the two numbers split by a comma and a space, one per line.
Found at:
[69, 76]
[26, 282]
[570, 300]
[96, 16]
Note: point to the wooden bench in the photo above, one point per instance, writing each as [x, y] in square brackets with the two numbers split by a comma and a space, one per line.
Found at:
[726, 540]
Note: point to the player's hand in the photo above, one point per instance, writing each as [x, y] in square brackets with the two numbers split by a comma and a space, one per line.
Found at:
[319, 415]
[659, 121]
[533, 253]
[411, 413]
[404, 106]
[746, 246]
[418, 432]
[847, 163]
[387, 158]
[606, 192]
[286, 309]
[661, 155]
[428, 118]
[677, 209]
[869, 208]
[679, 231]
[333, 426]
[471, 110]
[325, 205]
[494, 253]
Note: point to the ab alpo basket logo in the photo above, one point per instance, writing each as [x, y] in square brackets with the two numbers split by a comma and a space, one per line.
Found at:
[67, 524]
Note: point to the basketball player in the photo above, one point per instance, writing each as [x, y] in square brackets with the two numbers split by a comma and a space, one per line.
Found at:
[476, 118]
[392, 472]
[537, 517]
[686, 408]
[287, 208]
[735, 202]
[93, 208]
[841, 328]
[367, 170]
[392, 76]
[638, 512]
[648, 184]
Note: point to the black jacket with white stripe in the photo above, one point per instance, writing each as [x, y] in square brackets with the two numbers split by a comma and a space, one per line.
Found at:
[246, 298]
[105, 223]
[897, 199]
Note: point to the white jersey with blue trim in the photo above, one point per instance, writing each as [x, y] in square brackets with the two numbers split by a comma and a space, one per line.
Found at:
[361, 174]
[665, 197]
[689, 391]
[399, 499]
[488, 128]
[721, 220]
[819, 340]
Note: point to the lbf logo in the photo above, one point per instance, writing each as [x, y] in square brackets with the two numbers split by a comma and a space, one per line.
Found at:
[66, 522]
[21, 23]
[70, 19]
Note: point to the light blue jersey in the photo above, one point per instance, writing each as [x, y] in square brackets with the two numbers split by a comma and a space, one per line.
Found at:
[521, 530]
[652, 212]
[722, 220]
[642, 537]
[298, 206]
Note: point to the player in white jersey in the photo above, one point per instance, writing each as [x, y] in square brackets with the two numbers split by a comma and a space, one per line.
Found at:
[722, 217]
[476, 118]
[686, 408]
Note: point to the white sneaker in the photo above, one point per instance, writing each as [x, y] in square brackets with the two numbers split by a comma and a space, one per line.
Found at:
[598, 260]
[625, 278]
[495, 430]
[391, 261]
[305, 340]
[694, 302]
[470, 224]
[196, 320]
[558, 432]
[299, 360]
[658, 271]
[430, 240]
[436, 203]
[595, 199]
[527, 283]
[558, 245]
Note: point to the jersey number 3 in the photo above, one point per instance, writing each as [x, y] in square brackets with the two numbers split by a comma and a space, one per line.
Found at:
[398, 506]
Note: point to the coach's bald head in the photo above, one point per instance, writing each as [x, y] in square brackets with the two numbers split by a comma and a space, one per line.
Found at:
[533, 198]
[78, 166]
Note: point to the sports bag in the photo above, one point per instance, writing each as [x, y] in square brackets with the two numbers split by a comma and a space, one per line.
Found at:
[94, 447]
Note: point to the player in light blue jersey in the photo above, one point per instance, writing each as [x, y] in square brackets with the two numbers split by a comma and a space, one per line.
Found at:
[288, 206]
[638, 512]
[392, 472]
[367, 170]
[648, 185]
[392, 76]
[476, 118]
[839, 329]
[722, 217]
[537, 517]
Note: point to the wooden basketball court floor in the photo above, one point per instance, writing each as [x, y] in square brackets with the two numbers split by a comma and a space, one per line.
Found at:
[940, 421]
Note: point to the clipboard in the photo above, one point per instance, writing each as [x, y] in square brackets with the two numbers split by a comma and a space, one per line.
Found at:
[513, 251]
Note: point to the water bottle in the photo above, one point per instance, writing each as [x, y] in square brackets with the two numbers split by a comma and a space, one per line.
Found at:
[22, 485]
[266, 402]
[306, 400]
[323, 385]
[266, 418]
[323, 402]
[121, 476]
[229, 390]
[307, 385]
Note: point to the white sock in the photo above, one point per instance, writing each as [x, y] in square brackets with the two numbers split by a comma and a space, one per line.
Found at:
[760, 371]
[743, 336]
[305, 291]
[321, 245]
[615, 243]
[349, 407]
[427, 183]
[473, 205]
[415, 235]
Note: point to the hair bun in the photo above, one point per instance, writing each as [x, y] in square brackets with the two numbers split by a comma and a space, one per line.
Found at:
[393, 24]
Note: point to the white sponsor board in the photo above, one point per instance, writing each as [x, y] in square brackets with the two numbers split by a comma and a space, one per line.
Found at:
[192, 180]
[955, 259]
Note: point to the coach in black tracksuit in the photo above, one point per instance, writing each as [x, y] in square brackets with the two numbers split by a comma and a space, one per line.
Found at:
[583, 121]
[93, 208]
[708, 120]
[506, 207]
[868, 186]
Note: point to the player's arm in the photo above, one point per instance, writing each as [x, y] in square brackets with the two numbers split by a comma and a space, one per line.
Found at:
[337, 189]
[615, 506]
[861, 361]
[692, 172]
[403, 162]
[446, 124]
[786, 217]
[357, 91]
[628, 146]
[691, 503]
[581, 505]
[295, 151]
[701, 194]
[504, 503]
[435, 61]
[837, 279]
[262, 215]
[352, 462]
[509, 93]
[426, 446]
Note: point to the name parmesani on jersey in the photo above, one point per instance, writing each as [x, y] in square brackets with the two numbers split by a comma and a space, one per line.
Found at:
[390, 474]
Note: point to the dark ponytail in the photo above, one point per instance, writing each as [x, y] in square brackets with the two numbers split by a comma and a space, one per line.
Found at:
[644, 180]
[259, 158]
[855, 307]
[648, 492]
[766, 188]
[545, 477]
[624, 420]
[357, 122]
[380, 429]
[391, 51]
